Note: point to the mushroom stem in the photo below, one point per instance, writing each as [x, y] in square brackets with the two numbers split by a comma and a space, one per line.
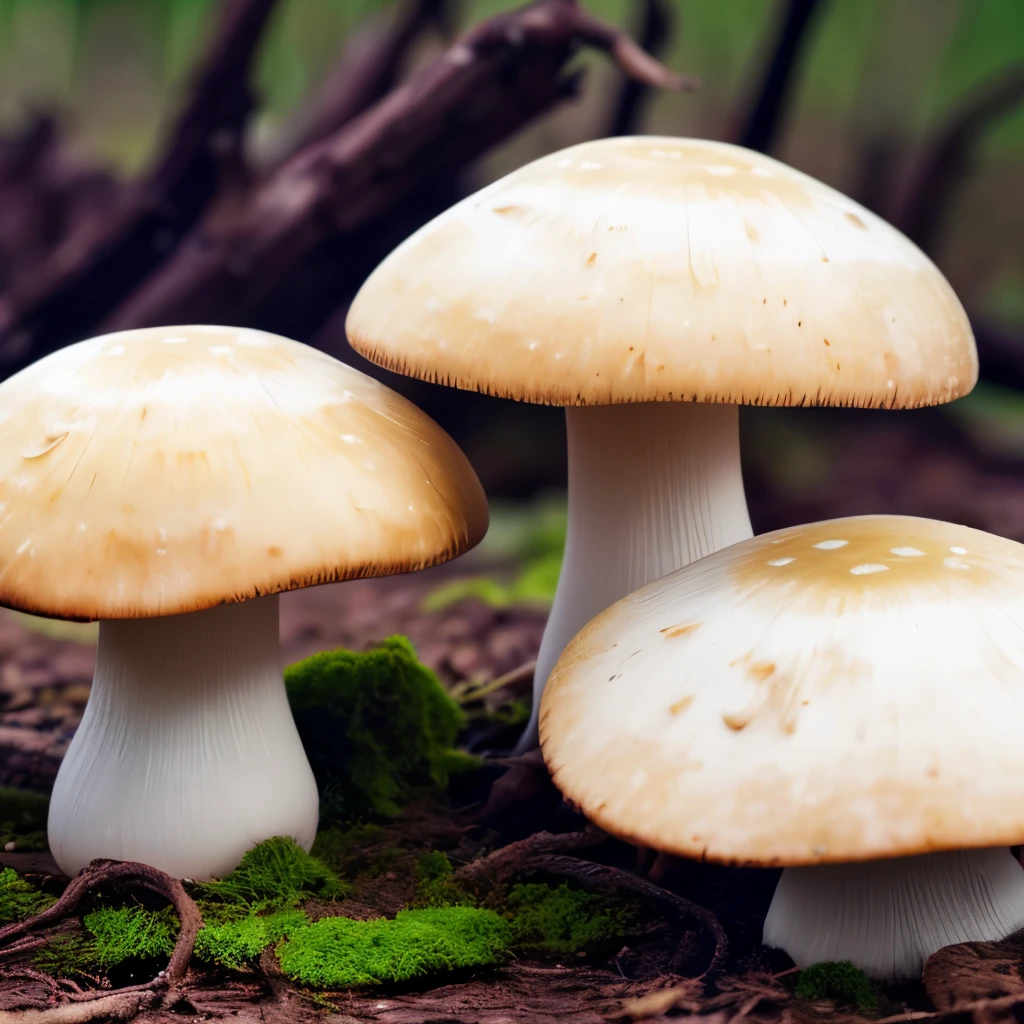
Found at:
[888, 916]
[187, 754]
[653, 486]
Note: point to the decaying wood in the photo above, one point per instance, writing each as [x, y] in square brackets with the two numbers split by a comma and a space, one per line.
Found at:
[497, 77]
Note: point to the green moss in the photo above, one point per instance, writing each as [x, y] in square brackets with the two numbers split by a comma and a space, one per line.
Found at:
[838, 980]
[236, 943]
[67, 956]
[18, 899]
[562, 919]
[378, 728]
[129, 933]
[435, 884]
[23, 818]
[275, 874]
[336, 952]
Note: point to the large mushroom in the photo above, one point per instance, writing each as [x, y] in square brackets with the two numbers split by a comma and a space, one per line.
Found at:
[652, 285]
[844, 699]
[171, 482]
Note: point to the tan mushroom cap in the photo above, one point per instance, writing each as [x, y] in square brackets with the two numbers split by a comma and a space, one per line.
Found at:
[167, 470]
[654, 269]
[849, 690]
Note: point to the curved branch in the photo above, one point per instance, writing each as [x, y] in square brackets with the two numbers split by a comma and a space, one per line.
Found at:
[122, 874]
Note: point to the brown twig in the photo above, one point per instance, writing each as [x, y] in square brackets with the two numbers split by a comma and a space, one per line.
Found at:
[497, 77]
[121, 874]
[603, 874]
[633, 96]
[519, 856]
[924, 200]
[111, 252]
[760, 127]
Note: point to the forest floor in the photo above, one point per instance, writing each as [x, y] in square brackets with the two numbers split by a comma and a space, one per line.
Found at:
[693, 949]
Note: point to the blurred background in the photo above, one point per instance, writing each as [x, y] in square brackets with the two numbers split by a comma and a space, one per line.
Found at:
[153, 155]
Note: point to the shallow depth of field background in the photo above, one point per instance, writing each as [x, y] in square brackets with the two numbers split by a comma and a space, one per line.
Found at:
[878, 80]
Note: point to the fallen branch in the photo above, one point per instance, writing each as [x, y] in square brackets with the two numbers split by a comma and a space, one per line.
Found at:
[365, 72]
[520, 856]
[494, 79]
[128, 1001]
[113, 251]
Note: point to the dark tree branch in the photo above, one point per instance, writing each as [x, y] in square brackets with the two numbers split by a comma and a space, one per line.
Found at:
[654, 34]
[93, 268]
[760, 127]
[926, 197]
[495, 79]
[366, 71]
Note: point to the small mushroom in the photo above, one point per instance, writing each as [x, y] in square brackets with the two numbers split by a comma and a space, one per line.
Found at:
[171, 482]
[651, 286]
[845, 700]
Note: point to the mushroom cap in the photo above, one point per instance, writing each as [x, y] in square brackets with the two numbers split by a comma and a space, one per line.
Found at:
[166, 470]
[662, 269]
[844, 691]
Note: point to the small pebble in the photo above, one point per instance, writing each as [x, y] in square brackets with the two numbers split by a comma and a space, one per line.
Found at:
[10, 847]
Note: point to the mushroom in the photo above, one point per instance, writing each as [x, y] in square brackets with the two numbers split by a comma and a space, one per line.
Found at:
[845, 700]
[652, 285]
[170, 482]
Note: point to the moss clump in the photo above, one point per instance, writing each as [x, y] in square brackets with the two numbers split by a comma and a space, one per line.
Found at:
[336, 952]
[236, 943]
[276, 874]
[23, 818]
[128, 933]
[838, 980]
[378, 728]
[562, 919]
[435, 884]
[18, 899]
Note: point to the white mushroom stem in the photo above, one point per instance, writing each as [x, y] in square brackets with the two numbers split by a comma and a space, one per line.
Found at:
[653, 486]
[889, 916]
[187, 754]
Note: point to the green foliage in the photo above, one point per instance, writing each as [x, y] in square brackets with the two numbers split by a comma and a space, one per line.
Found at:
[336, 952]
[562, 919]
[23, 818]
[275, 874]
[235, 943]
[66, 956]
[378, 728]
[18, 899]
[129, 933]
[838, 980]
[435, 884]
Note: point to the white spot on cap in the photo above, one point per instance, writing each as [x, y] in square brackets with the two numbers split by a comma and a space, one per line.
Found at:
[220, 350]
[487, 315]
[175, 340]
[721, 170]
[432, 305]
[958, 551]
[781, 561]
[590, 165]
[868, 568]
[906, 552]
[350, 438]
[890, 384]
[566, 162]
[533, 345]
[831, 545]
[115, 350]
[761, 172]
[955, 563]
